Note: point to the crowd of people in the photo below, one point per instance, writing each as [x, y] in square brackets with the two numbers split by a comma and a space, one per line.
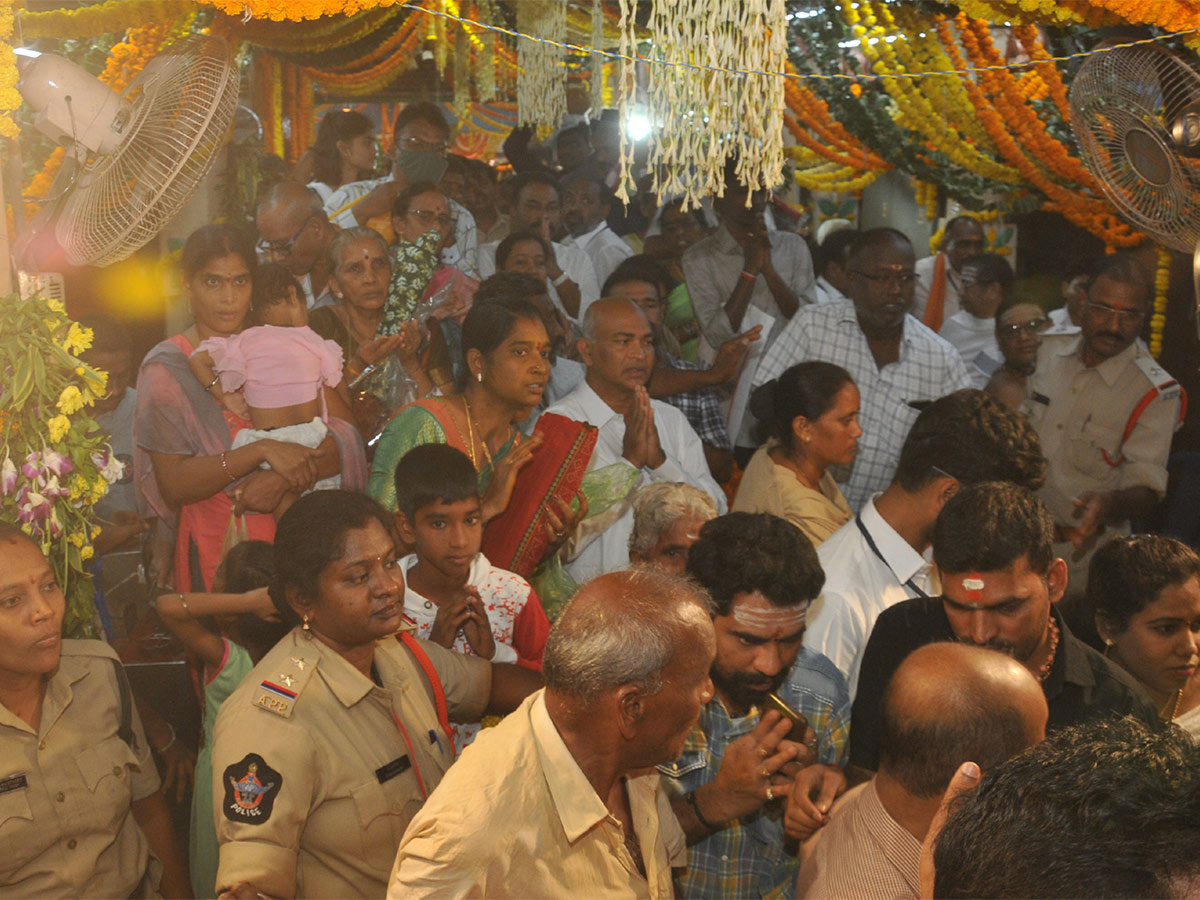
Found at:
[526, 546]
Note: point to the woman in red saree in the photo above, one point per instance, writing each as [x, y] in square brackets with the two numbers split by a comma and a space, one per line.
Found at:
[186, 473]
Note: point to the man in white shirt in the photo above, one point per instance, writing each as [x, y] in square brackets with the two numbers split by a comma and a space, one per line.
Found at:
[897, 363]
[587, 202]
[421, 137]
[537, 208]
[652, 439]
[938, 275]
[833, 261]
[1074, 288]
[882, 556]
[294, 232]
[986, 282]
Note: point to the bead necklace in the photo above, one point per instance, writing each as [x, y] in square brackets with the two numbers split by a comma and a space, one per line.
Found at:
[1044, 672]
[1174, 707]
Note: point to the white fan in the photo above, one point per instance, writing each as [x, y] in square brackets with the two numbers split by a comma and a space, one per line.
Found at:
[1135, 112]
[134, 159]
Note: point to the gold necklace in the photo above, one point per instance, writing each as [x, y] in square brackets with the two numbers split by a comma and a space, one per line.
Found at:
[471, 436]
[1044, 672]
[1174, 707]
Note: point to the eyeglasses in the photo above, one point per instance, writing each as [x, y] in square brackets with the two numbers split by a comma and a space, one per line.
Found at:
[415, 143]
[284, 248]
[428, 217]
[1033, 326]
[1124, 316]
[902, 279]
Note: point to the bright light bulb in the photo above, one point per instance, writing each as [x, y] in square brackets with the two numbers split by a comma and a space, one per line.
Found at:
[638, 127]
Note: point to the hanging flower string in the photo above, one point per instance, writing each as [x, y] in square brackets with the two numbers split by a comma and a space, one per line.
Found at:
[10, 99]
[1162, 282]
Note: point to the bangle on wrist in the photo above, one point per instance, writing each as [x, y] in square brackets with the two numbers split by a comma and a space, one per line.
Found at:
[167, 746]
[564, 277]
[225, 466]
[213, 383]
[690, 797]
[749, 276]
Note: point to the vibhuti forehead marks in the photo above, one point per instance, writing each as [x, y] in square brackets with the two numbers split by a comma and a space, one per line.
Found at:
[973, 585]
[781, 617]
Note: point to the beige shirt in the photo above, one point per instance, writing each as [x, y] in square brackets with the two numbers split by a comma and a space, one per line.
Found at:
[1080, 414]
[863, 852]
[769, 487]
[516, 817]
[311, 795]
[66, 790]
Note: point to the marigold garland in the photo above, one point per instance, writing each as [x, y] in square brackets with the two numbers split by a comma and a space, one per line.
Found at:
[10, 99]
[104, 18]
[1158, 320]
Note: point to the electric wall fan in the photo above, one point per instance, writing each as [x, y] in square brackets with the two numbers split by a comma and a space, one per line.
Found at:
[1135, 112]
[132, 159]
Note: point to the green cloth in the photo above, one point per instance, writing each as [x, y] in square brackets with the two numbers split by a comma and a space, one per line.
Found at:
[202, 838]
[680, 320]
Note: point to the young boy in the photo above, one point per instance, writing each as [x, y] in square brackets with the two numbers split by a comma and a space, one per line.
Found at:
[453, 595]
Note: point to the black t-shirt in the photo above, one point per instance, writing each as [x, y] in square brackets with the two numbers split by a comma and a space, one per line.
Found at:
[1081, 685]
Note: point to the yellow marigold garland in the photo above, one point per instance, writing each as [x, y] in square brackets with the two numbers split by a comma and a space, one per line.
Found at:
[103, 18]
[10, 99]
[1162, 281]
[295, 10]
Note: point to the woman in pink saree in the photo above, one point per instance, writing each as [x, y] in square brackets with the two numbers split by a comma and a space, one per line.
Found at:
[188, 477]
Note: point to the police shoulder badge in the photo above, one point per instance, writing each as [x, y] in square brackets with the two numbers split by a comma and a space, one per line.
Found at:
[251, 787]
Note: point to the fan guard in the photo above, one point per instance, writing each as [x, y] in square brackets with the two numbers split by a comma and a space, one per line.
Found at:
[182, 105]
[1124, 105]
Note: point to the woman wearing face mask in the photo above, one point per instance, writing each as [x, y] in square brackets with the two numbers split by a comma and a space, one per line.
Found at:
[421, 139]
[1144, 591]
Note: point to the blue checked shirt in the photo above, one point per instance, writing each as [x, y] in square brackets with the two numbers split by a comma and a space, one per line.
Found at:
[701, 407]
[929, 368]
[748, 858]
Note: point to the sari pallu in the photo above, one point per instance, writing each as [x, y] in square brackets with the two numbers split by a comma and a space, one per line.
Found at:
[176, 415]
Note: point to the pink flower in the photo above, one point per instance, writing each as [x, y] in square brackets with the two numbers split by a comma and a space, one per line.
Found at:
[57, 462]
[32, 507]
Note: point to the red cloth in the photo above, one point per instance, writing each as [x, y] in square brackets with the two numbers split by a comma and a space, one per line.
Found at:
[530, 630]
[516, 539]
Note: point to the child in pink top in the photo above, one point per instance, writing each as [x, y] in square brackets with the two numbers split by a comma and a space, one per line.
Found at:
[275, 373]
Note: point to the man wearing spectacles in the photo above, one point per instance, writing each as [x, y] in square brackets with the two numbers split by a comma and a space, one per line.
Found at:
[939, 277]
[294, 231]
[986, 282]
[898, 364]
[1105, 412]
[420, 140]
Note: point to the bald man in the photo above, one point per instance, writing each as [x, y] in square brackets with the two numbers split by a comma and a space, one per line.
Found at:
[293, 230]
[946, 704]
[651, 440]
[559, 799]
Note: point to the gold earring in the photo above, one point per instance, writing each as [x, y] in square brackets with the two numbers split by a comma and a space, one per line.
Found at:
[304, 624]
[479, 377]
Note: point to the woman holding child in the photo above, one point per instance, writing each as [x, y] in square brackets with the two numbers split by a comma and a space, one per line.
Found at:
[187, 473]
[334, 740]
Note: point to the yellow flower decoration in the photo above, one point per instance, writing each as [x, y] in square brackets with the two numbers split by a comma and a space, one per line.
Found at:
[58, 428]
[71, 400]
[78, 339]
[87, 553]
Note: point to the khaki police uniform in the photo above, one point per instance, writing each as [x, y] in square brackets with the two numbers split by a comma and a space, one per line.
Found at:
[317, 770]
[1081, 415]
[66, 791]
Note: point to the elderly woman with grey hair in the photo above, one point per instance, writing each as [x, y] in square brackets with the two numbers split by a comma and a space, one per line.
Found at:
[360, 268]
[667, 518]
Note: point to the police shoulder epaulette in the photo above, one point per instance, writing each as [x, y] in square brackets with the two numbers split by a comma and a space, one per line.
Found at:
[1158, 376]
[278, 692]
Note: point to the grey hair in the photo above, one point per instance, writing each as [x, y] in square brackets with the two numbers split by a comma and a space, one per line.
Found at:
[587, 328]
[591, 651]
[348, 236]
[658, 506]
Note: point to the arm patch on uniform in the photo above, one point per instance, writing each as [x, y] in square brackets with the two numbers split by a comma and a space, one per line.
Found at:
[251, 787]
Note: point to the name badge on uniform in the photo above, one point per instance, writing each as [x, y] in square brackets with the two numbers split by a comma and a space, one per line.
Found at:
[13, 783]
[397, 766]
